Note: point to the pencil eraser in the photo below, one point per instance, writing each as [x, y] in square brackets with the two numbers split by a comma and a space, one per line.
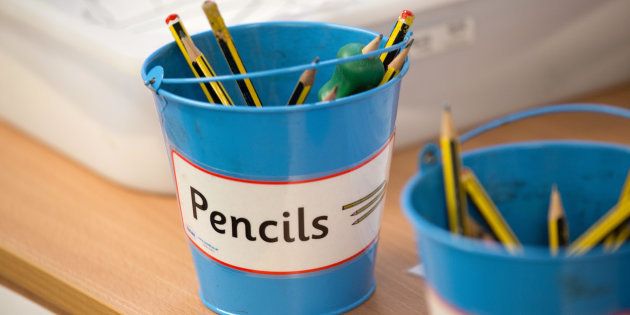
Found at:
[171, 17]
[405, 14]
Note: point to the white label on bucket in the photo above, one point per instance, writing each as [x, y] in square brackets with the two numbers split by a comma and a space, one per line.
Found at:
[283, 227]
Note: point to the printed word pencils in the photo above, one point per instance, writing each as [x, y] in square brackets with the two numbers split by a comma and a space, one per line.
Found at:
[214, 91]
[224, 39]
[404, 22]
[451, 164]
[488, 210]
[557, 224]
[304, 85]
[396, 64]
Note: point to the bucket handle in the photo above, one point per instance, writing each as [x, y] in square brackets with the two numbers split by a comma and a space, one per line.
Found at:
[155, 76]
[430, 153]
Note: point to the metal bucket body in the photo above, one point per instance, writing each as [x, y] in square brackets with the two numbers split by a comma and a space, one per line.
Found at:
[468, 276]
[261, 190]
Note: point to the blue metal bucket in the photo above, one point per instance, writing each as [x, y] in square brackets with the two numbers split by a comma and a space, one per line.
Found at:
[468, 276]
[262, 190]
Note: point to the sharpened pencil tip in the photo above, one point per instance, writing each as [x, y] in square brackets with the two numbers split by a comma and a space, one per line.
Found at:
[316, 60]
[446, 107]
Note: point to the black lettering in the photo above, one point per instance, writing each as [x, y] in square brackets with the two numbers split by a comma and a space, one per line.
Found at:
[301, 232]
[286, 229]
[263, 231]
[321, 227]
[194, 193]
[214, 222]
[248, 228]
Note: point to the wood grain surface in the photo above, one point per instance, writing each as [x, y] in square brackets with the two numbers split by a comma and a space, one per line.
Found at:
[78, 243]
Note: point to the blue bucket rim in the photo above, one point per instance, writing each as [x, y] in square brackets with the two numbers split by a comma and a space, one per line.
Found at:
[276, 108]
[424, 228]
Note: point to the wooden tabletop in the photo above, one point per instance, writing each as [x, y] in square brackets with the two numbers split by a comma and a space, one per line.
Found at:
[75, 242]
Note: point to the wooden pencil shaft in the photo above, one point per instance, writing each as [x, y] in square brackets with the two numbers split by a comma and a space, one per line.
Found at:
[215, 92]
[188, 51]
[372, 45]
[451, 168]
[625, 190]
[397, 64]
[297, 92]
[598, 231]
[230, 53]
[557, 224]
[397, 35]
[214, 97]
[217, 86]
[399, 60]
[488, 211]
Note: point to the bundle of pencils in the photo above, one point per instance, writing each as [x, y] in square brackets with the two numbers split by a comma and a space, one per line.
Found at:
[611, 230]
[459, 183]
[216, 93]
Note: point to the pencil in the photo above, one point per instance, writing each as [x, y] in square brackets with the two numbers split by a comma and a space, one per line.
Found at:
[598, 231]
[303, 86]
[489, 212]
[624, 196]
[610, 242]
[224, 39]
[372, 45]
[331, 96]
[214, 91]
[404, 22]
[475, 230]
[396, 64]
[622, 236]
[451, 166]
[558, 230]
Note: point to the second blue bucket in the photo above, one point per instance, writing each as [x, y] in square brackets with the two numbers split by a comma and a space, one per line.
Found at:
[281, 204]
[467, 276]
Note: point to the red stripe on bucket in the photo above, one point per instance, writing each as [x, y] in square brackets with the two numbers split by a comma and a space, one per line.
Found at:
[280, 273]
[268, 182]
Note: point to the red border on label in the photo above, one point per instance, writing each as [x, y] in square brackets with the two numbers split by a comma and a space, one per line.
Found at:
[269, 182]
[280, 273]
[375, 155]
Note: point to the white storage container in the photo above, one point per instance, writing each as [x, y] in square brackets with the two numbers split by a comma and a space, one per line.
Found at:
[70, 69]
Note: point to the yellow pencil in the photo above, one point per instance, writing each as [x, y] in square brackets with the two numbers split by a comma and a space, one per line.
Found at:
[404, 22]
[598, 231]
[558, 230]
[622, 236]
[396, 64]
[372, 45]
[611, 241]
[224, 39]
[489, 212]
[304, 85]
[214, 91]
[451, 166]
